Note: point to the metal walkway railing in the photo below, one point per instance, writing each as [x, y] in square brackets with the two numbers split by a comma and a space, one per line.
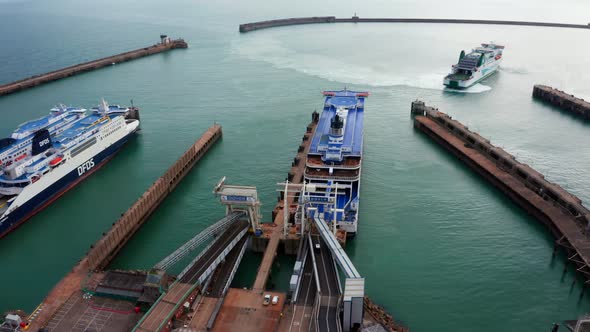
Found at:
[337, 251]
[354, 285]
[198, 240]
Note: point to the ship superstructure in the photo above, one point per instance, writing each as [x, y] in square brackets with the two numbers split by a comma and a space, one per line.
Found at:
[18, 145]
[58, 162]
[473, 67]
[335, 157]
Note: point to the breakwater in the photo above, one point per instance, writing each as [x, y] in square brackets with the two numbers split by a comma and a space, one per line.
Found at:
[564, 101]
[105, 249]
[165, 44]
[562, 212]
[247, 27]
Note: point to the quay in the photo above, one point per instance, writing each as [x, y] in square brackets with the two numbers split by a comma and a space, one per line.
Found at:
[200, 298]
[65, 296]
[233, 309]
[560, 211]
[564, 101]
[247, 27]
[165, 44]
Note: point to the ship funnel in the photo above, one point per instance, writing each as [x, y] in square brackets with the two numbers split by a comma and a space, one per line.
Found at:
[336, 125]
[41, 142]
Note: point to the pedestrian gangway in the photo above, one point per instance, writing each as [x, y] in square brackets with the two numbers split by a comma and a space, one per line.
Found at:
[354, 285]
[199, 239]
[326, 313]
[185, 288]
[309, 196]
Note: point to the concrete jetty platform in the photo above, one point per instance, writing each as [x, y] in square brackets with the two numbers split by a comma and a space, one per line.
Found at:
[563, 100]
[165, 44]
[105, 249]
[295, 176]
[247, 27]
[562, 212]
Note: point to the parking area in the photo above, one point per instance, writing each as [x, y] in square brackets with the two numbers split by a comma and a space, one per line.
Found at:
[83, 313]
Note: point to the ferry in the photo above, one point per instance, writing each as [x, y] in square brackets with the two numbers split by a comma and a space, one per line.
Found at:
[59, 158]
[480, 63]
[335, 157]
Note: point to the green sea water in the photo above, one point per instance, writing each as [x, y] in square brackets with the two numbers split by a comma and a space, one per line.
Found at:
[439, 247]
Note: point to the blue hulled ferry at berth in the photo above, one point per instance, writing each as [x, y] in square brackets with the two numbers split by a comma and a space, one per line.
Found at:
[335, 157]
[46, 157]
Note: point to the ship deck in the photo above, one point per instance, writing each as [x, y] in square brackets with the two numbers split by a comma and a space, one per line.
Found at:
[40, 123]
[78, 127]
[353, 133]
[31, 125]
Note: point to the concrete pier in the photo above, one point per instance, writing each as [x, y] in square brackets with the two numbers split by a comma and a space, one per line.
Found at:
[564, 101]
[105, 249]
[562, 213]
[247, 27]
[165, 44]
[275, 235]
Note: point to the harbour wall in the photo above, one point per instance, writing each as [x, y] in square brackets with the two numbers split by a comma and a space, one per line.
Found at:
[564, 101]
[103, 251]
[562, 212]
[34, 81]
[247, 27]
[285, 22]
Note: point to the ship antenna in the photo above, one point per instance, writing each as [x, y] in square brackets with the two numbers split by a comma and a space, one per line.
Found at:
[104, 107]
[131, 103]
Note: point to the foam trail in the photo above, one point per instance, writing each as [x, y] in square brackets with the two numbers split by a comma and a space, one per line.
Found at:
[477, 88]
[337, 69]
[514, 70]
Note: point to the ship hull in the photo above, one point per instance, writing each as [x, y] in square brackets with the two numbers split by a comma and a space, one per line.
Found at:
[52, 192]
[476, 77]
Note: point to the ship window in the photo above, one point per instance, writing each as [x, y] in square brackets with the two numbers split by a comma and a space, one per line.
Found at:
[83, 147]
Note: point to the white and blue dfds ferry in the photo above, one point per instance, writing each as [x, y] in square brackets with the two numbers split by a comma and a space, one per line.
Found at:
[46, 157]
[334, 159]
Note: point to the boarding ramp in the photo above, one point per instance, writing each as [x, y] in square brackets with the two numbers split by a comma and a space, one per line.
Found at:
[206, 235]
[310, 196]
[354, 285]
[306, 296]
[327, 312]
[226, 276]
[184, 289]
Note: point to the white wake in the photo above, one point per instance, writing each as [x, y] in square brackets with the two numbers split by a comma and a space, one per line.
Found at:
[343, 70]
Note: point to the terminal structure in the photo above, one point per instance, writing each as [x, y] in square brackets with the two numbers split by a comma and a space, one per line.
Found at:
[200, 297]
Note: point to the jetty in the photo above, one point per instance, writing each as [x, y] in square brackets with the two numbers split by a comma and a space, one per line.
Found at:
[200, 298]
[247, 27]
[565, 101]
[105, 249]
[165, 44]
[560, 211]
